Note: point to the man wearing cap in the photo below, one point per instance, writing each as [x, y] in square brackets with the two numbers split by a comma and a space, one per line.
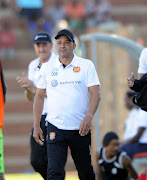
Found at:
[43, 47]
[73, 95]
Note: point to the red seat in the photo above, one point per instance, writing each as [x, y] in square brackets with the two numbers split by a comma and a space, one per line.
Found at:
[140, 155]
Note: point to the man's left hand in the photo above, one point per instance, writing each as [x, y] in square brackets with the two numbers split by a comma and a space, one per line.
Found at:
[85, 125]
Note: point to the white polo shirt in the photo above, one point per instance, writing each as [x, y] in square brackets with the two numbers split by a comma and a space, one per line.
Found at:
[33, 74]
[137, 118]
[67, 91]
[143, 62]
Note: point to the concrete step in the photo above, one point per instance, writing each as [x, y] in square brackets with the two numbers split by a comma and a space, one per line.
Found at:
[12, 96]
[18, 117]
[18, 106]
[130, 2]
[129, 10]
[21, 60]
[12, 86]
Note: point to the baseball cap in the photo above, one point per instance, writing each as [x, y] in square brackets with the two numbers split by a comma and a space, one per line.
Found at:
[67, 33]
[42, 37]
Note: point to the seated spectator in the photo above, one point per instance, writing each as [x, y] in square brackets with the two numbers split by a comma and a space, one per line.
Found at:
[98, 11]
[135, 134]
[75, 14]
[31, 9]
[56, 12]
[111, 163]
[7, 41]
[3, 4]
[42, 24]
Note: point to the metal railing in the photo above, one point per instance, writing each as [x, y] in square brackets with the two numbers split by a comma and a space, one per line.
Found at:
[126, 44]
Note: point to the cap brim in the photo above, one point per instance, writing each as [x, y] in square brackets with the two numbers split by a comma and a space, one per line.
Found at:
[64, 35]
[45, 42]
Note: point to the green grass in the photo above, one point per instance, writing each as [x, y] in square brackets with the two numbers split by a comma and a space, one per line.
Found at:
[35, 176]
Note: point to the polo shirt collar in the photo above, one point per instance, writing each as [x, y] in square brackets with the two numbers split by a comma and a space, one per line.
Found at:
[58, 63]
[74, 61]
[38, 63]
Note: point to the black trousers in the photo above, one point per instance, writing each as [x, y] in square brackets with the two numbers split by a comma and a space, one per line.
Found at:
[58, 142]
[39, 153]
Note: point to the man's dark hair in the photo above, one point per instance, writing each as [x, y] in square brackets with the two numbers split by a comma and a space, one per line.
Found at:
[109, 137]
[130, 94]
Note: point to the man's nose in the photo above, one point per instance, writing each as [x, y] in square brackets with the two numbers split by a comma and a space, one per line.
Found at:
[62, 44]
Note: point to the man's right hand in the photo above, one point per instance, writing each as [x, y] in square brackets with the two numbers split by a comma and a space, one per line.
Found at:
[131, 80]
[25, 83]
[38, 136]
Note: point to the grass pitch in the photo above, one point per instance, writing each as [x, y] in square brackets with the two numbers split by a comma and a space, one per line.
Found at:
[36, 176]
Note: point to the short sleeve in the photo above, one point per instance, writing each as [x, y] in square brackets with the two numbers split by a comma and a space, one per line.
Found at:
[30, 72]
[41, 84]
[93, 78]
[142, 119]
[143, 62]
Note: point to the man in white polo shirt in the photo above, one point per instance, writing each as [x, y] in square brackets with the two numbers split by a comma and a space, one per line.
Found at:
[73, 95]
[142, 69]
[43, 47]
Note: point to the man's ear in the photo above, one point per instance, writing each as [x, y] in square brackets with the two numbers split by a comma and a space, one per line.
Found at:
[74, 45]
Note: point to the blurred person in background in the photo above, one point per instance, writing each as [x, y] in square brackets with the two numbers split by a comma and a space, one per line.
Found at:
[43, 48]
[142, 69]
[3, 4]
[42, 24]
[135, 134]
[7, 41]
[98, 11]
[2, 101]
[75, 15]
[56, 12]
[111, 163]
[32, 10]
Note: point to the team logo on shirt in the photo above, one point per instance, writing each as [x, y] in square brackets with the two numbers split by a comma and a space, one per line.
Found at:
[52, 135]
[76, 69]
[54, 83]
[114, 171]
[54, 72]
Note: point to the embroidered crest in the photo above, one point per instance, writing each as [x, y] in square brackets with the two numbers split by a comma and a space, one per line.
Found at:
[54, 83]
[52, 135]
[114, 171]
[76, 69]
[54, 72]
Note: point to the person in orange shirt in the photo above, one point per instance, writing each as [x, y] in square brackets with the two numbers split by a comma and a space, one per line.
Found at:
[2, 100]
[75, 13]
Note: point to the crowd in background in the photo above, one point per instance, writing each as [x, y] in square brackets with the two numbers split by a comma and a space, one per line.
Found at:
[50, 16]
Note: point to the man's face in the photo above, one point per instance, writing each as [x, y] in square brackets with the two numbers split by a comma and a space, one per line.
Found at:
[43, 50]
[65, 47]
[113, 147]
